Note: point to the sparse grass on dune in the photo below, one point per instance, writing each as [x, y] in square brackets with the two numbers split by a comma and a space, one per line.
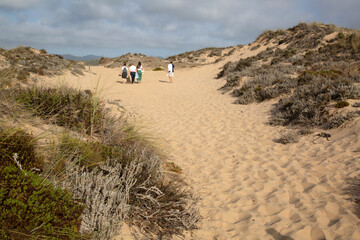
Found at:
[307, 76]
[63, 106]
[104, 161]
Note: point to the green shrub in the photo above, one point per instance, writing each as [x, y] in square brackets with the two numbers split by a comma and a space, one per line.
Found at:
[342, 104]
[30, 208]
[16, 141]
[158, 69]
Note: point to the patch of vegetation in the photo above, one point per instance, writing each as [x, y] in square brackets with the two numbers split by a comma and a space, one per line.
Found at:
[16, 141]
[8, 74]
[65, 107]
[173, 167]
[307, 78]
[308, 104]
[287, 138]
[266, 83]
[342, 104]
[339, 120]
[33, 208]
[255, 47]
[215, 53]
[354, 189]
[43, 51]
[349, 41]
[115, 171]
[24, 60]
[122, 183]
[30, 206]
[158, 69]
[357, 104]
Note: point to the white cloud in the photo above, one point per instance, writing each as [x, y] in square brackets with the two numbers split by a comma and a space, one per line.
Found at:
[18, 4]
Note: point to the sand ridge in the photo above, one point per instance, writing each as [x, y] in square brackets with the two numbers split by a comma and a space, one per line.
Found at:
[249, 187]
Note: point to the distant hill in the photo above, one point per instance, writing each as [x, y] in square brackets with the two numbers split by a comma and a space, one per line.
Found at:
[81, 59]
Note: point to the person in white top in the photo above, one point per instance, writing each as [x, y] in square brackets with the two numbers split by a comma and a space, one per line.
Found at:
[132, 73]
[171, 71]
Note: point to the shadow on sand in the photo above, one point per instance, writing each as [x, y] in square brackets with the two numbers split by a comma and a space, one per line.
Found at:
[163, 81]
[276, 235]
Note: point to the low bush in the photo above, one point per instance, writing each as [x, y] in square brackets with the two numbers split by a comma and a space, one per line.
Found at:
[16, 141]
[342, 104]
[31, 208]
[158, 69]
[339, 120]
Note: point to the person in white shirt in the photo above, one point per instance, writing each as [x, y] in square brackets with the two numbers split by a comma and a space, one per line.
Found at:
[171, 71]
[132, 73]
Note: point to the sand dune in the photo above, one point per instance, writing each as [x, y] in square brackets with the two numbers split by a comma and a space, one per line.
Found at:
[249, 187]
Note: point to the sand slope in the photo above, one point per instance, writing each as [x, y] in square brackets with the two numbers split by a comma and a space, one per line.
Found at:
[249, 187]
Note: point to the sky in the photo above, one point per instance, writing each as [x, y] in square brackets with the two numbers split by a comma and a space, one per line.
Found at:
[163, 28]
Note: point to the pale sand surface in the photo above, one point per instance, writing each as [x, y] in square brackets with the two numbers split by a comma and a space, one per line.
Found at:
[249, 187]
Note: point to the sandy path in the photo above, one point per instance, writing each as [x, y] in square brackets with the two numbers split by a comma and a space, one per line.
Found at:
[249, 187]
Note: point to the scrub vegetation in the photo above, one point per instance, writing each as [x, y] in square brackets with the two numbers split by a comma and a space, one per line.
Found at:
[69, 169]
[311, 70]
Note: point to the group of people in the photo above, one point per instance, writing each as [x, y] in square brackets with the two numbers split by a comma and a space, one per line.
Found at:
[137, 71]
[132, 73]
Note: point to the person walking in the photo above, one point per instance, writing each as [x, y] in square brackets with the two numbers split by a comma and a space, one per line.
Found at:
[132, 73]
[124, 73]
[171, 71]
[139, 72]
